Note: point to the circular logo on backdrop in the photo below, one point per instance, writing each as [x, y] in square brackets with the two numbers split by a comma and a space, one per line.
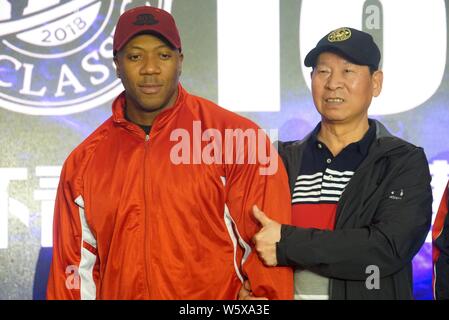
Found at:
[56, 55]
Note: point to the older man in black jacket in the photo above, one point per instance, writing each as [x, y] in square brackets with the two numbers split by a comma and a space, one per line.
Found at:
[361, 198]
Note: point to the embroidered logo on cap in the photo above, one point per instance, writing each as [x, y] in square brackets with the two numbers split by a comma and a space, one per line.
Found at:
[339, 35]
[147, 19]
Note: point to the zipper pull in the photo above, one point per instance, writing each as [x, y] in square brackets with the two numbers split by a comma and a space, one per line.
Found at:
[147, 137]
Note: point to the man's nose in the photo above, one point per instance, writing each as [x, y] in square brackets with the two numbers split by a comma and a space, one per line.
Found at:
[334, 81]
[150, 66]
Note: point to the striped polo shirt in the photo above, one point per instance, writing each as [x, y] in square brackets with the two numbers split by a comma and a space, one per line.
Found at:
[320, 183]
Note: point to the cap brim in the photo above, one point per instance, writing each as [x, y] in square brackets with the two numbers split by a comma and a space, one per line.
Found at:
[155, 33]
[312, 56]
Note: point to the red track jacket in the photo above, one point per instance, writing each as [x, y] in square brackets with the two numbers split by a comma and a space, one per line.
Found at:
[440, 249]
[131, 223]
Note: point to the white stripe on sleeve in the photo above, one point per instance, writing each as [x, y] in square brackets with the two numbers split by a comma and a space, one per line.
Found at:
[88, 289]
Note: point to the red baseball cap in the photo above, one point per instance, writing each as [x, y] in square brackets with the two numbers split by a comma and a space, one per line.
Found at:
[145, 19]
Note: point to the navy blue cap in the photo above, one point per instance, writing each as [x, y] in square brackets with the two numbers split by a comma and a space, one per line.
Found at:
[355, 45]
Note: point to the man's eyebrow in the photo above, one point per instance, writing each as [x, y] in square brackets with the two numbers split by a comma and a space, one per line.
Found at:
[163, 46]
[155, 48]
[345, 62]
[321, 64]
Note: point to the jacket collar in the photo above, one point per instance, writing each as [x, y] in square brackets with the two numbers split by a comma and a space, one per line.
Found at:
[381, 132]
[384, 144]
[119, 104]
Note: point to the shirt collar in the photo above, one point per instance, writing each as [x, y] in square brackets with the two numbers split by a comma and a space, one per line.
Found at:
[367, 139]
[118, 107]
[361, 146]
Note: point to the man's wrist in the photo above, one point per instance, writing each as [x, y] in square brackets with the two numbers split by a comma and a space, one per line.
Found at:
[281, 248]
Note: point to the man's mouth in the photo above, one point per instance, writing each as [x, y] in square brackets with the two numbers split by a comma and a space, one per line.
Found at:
[334, 100]
[150, 88]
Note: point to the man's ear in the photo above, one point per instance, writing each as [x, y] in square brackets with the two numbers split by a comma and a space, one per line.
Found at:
[181, 59]
[378, 78]
[311, 72]
[117, 67]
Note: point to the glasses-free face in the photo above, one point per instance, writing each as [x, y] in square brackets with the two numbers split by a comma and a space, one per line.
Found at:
[149, 69]
[342, 91]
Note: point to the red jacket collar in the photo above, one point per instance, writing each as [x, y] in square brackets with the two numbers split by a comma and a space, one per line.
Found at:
[118, 107]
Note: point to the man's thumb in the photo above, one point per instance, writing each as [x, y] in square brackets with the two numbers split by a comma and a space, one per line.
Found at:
[260, 216]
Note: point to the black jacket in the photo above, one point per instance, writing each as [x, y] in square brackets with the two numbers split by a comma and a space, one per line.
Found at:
[382, 219]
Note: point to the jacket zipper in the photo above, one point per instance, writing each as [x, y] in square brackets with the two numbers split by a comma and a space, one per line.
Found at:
[145, 231]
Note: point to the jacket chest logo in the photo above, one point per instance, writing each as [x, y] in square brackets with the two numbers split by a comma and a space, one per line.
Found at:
[396, 194]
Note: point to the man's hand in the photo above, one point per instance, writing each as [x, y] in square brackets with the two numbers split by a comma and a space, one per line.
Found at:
[265, 240]
[245, 293]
